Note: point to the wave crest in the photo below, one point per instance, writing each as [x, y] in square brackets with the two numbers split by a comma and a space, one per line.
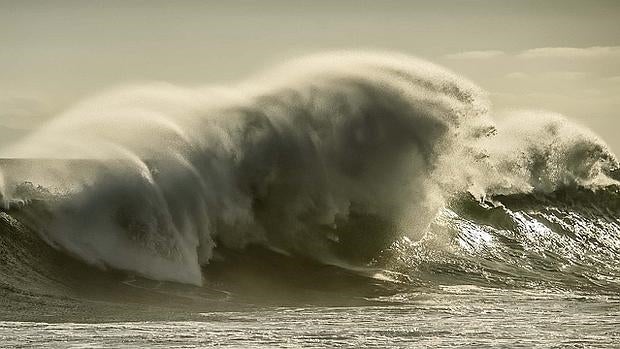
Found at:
[332, 157]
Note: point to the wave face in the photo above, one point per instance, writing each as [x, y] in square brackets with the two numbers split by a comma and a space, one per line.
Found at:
[384, 165]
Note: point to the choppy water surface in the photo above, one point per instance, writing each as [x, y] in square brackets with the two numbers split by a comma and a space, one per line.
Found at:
[447, 317]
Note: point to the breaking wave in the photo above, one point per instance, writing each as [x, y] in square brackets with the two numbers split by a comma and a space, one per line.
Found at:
[356, 160]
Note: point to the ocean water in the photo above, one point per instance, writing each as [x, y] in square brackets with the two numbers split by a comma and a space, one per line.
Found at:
[449, 317]
[344, 200]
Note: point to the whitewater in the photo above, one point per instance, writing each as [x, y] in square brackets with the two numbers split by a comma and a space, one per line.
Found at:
[359, 198]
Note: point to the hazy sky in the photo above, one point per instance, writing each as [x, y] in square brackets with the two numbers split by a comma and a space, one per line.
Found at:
[560, 55]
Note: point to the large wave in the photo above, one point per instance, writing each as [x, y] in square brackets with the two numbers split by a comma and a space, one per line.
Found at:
[332, 157]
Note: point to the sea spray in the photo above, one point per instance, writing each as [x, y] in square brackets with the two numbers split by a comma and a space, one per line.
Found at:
[333, 157]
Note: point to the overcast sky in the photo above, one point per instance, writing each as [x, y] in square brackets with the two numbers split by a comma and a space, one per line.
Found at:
[559, 55]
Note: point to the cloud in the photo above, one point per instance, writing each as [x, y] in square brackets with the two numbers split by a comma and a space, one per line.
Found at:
[553, 75]
[565, 75]
[542, 52]
[571, 52]
[517, 75]
[475, 54]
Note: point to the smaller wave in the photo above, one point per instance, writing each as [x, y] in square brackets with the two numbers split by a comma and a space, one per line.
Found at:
[564, 240]
[536, 151]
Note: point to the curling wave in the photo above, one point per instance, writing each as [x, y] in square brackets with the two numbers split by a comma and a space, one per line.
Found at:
[339, 158]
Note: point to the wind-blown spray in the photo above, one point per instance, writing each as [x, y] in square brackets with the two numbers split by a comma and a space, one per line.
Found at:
[293, 160]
